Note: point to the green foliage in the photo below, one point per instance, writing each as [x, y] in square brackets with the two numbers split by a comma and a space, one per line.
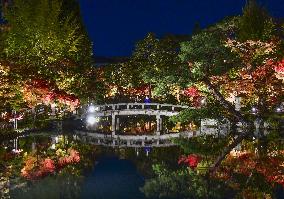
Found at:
[255, 23]
[182, 184]
[206, 145]
[227, 27]
[11, 98]
[65, 185]
[2, 40]
[207, 56]
[123, 75]
[195, 115]
[233, 73]
[45, 39]
[158, 64]
[38, 34]
[167, 185]
[273, 123]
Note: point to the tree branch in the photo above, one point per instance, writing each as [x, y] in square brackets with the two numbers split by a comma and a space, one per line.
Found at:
[225, 103]
[237, 115]
[226, 151]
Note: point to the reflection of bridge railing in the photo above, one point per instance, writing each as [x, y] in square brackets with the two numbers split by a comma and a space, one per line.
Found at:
[127, 109]
[134, 140]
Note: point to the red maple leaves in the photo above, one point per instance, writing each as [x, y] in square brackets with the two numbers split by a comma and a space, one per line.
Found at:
[194, 94]
[41, 91]
[74, 157]
[191, 160]
[279, 69]
[270, 167]
[48, 165]
[36, 168]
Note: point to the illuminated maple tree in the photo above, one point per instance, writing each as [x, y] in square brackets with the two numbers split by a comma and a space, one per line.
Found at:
[40, 91]
[50, 64]
[257, 81]
[248, 163]
[35, 168]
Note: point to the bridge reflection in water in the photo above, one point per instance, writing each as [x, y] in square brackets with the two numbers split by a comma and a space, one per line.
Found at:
[133, 140]
[115, 112]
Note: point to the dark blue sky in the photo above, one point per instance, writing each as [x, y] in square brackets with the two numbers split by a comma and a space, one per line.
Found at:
[114, 26]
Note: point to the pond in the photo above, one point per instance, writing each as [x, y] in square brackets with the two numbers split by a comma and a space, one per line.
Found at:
[62, 166]
[46, 165]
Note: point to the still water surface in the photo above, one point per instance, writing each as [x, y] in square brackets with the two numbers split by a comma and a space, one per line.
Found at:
[65, 167]
[102, 173]
[113, 178]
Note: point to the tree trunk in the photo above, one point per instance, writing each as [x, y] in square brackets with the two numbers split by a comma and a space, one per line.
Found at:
[225, 103]
[226, 151]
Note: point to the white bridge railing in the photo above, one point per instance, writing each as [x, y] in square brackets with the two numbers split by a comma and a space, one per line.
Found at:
[137, 106]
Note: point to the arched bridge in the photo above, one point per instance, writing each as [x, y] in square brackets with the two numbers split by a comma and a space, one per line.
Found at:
[115, 111]
[159, 136]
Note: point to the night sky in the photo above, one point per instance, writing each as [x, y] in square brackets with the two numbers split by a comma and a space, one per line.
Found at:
[114, 26]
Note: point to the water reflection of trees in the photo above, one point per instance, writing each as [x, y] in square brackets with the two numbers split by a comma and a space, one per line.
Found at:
[254, 169]
[43, 165]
